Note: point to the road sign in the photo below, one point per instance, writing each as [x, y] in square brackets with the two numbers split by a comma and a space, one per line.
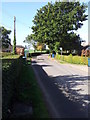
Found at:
[61, 48]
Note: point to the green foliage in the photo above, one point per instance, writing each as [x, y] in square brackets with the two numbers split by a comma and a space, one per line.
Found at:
[51, 47]
[57, 56]
[30, 40]
[10, 72]
[57, 46]
[4, 54]
[37, 51]
[70, 58]
[55, 22]
[40, 46]
[18, 80]
[73, 59]
[6, 41]
[28, 90]
[14, 44]
[7, 55]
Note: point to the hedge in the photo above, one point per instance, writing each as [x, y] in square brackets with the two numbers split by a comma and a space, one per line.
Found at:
[11, 69]
[73, 59]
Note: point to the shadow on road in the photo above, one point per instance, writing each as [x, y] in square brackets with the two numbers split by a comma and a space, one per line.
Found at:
[75, 88]
[65, 101]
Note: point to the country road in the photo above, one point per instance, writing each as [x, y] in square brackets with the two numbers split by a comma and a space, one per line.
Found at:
[64, 87]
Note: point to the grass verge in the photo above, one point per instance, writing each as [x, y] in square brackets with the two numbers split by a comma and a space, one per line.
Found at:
[37, 51]
[28, 90]
[72, 59]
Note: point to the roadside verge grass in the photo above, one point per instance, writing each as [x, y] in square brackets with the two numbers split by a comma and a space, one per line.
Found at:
[72, 59]
[28, 90]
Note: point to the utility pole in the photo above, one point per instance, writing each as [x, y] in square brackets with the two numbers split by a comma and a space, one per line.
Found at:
[14, 41]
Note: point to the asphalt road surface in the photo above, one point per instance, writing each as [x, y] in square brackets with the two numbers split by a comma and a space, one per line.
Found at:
[64, 87]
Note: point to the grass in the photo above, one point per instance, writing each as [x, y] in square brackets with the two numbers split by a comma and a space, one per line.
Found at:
[30, 91]
[37, 51]
[11, 57]
[62, 62]
[8, 55]
[72, 59]
[27, 88]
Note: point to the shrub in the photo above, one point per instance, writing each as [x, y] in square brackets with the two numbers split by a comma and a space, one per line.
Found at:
[73, 59]
[70, 57]
[10, 73]
[4, 54]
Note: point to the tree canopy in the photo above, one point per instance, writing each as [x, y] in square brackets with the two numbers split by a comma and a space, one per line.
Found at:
[55, 23]
[6, 41]
[29, 40]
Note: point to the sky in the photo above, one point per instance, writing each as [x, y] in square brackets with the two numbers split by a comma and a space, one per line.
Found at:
[24, 13]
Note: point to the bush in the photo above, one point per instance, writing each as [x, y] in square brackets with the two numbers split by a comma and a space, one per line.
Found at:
[57, 56]
[10, 73]
[6, 54]
[47, 51]
[73, 59]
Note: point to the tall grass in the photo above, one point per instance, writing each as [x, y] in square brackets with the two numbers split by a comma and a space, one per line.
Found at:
[73, 59]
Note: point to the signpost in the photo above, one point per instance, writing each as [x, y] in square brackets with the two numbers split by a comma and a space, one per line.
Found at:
[61, 51]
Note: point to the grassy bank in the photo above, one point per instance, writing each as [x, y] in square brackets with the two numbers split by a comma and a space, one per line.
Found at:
[72, 59]
[28, 90]
[18, 81]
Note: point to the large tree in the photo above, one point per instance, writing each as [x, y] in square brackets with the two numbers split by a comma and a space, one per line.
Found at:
[6, 41]
[55, 22]
[30, 41]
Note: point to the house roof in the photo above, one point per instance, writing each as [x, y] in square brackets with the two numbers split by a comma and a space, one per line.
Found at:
[20, 46]
[86, 47]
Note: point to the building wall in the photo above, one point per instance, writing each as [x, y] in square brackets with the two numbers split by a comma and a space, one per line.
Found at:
[20, 51]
